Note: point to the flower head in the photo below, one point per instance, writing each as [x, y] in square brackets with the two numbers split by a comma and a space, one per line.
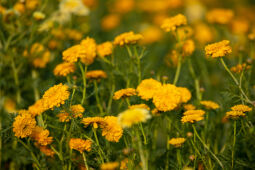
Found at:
[141, 106]
[111, 129]
[147, 88]
[188, 48]
[55, 96]
[37, 108]
[64, 117]
[104, 49]
[219, 16]
[23, 125]
[219, 49]
[185, 94]
[193, 116]
[80, 144]
[241, 108]
[124, 93]
[234, 114]
[89, 50]
[46, 151]
[109, 166]
[77, 110]
[177, 142]
[133, 116]
[64, 69]
[209, 104]
[72, 54]
[96, 74]
[127, 38]
[41, 136]
[170, 24]
[95, 121]
[189, 107]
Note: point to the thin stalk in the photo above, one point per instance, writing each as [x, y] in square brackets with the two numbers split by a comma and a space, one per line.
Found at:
[215, 157]
[97, 142]
[97, 98]
[83, 72]
[178, 154]
[178, 70]
[85, 161]
[234, 142]
[141, 152]
[128, 102]
[167, 144]
[16, 80]
[144, 136]
[196, 81]
[138, 62]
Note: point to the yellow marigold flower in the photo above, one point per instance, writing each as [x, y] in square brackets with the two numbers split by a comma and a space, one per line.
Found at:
[89, 53]
[171, 59]
[2, 9]
[55, 96]
[95, 121]
[234, 114]
[111, 129]
[124, 93]
[72, 54]
[147, 88]
[127, 38]
[167, 97]
[64, 117]
[41, 136]
[141, 106]
[219, 49]
[109, 166]
[36, 49]
[193, 116]
[32, 4]
[123, 6]
[10, 106]
[40, 62]
[184, 33]
[20, 7]
[104, 49]
[170, 24]
[185, 94]
[96, 74]
[240, 26]
[133, 116]
[210, 104]
[23, 125]
[188, 48]
[151, 34]
[77, 110]
[37, 108]
[220, 16]
[109, 22]
[80, 144]
[177, 142]
[241, 108]
[63, 69]
[189, 107]
[203, 33]
[38, 15]
[73, 34]
[240, 67]
[46, 151]
[124, 164]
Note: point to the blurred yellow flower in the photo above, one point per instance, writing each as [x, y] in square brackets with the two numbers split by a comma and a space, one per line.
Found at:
[111, 21]
[77, 110]
[147, 88]
[104, 49]
[188, 48]
[234, 114]
[240, 68]
[80, 144]
[111, 129]
[41, 136]
[124, 93]
[46, 151]
[37, 108]
[185, 94]
[241, 108]
[10, 105]
[63, 116]
[209, 104]
[192, 116]
[189, 107]
[219, 16]
[95, 121]
[127, 38]
[203, 33]
[170, 24]
[177, 142]
[38, 15]
[151, 35]
[89, 53]
[123, 6]
[219, 49]
[20, 7]
[23, 125]
[73, 34]
[141, 106]
[109, 166]
[32, 4]
[96, 74]
[63, 69]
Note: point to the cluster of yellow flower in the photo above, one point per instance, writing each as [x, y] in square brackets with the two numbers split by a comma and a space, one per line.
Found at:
[237, 111]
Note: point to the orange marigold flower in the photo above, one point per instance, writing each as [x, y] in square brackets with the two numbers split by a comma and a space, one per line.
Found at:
[203, 33]
[185, 94]
[193, 116]
[151, 34]
[111, 21]
[63, 69]
[241, 108]
[127, 38]
[111, 129]
[109, 166]
[96, 74]
[188, 48]
[147, 88]
[240, 67]
[177, 142]
[41, 136]
[64, 117]
[77, 110]
[167, 97]
[124, 93]
[141, 106]
[209, 104]
[170, 24]
[220, 16]
[189, 107]
[80, 144]
[55, 96]
[23, 125]
[124, 6]
[37, 108]
[219, 49]
[46, 151]
[89, 53]
[95, 121]
[234, 114]
[104, 49]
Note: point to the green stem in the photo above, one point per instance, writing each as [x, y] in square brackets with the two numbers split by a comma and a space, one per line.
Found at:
[196, 81]
[177, 73]
[97, 98]
[234, 142]
[141, 152]
[215, 157]
[144, 136]
[16, 80]
[235, 80]
[83, 72]
[178, 154]
[97, 142]
[85, 161]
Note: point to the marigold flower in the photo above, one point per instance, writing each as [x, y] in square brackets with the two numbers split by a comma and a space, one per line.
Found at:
[38, 15]
[133, 116]
[219, 16]
[147, 88]
[177, 142]
[109, 166]
[32, 4]
[40, 62]
[189, 107]
[124, 164]
[209, 104]
[23, 125]
[64, 117]
[55, 96]
[240, 67]
[241, 108]
[41, 136]
[88, 55]
[73, 53]
[155, 112]
[124, 93]
[188, 48]
[104, 49]
[127, 38]
[73, 34]
[219, 49]
[167, 97]
[170, 24]
[193, 116]
[240, 26]
[171, 59]
[46, 151]
[111, 129]
[151, 34]
[203, 33]
[109, 22]
[96, 74]
[124, 6]
[141, 106]
[77, 110]
[185, 94]
[63, 69]
[95, 121]
[19, 7]
[80, 144]
[10, 106]
[234, 114]
[37, 108]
